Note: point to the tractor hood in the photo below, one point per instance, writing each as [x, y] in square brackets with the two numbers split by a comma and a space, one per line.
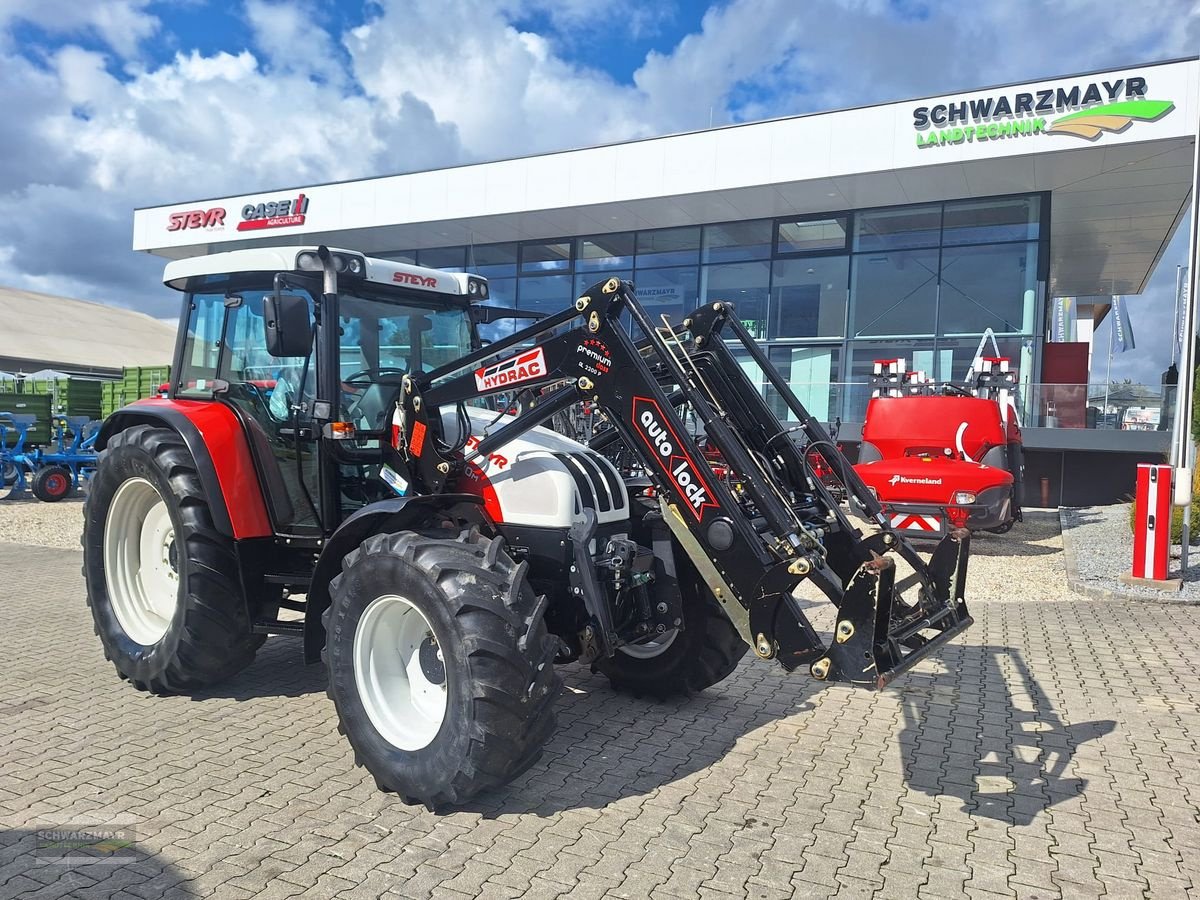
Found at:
[917, 479]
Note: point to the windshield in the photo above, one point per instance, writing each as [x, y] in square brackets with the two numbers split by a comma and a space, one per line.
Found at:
[378, 337]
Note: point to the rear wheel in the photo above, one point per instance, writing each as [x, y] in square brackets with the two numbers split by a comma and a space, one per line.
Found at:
[162, 582]
[52, 483]
[440, 664]
[705, 651]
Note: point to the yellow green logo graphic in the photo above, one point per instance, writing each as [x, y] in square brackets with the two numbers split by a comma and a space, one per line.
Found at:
[1089, 124]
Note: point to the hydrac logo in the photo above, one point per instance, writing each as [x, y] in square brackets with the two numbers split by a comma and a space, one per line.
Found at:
[525, 367]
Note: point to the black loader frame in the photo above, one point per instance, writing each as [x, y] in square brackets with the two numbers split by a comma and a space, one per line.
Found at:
[755, 533]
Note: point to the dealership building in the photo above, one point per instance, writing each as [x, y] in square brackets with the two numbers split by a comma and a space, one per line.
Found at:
[905, 229]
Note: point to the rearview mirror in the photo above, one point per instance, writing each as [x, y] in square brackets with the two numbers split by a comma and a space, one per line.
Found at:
[288, 327]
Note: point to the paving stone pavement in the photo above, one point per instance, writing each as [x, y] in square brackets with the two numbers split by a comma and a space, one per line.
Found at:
[1051, 751]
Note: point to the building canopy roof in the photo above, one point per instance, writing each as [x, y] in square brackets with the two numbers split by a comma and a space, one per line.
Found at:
[40, 331]
[1113, 149]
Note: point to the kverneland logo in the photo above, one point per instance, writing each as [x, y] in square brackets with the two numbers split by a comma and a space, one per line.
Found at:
[273, 214]
[901, 479]
[667, 450]
[525, 367]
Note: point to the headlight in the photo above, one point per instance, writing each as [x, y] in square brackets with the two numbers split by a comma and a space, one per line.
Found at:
[309, 262]
[354, 266]
[963, 498]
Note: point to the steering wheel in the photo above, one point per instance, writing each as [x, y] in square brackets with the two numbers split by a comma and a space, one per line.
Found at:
[955, 389]
[381, 375]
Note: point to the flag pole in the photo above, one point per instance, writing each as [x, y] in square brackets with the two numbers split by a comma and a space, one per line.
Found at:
[1181, 436]
[1112, 329]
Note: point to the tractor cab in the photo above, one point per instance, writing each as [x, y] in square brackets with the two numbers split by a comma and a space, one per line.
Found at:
[313, 375]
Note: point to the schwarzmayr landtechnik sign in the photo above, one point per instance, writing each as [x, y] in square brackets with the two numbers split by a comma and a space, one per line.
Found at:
[1090, 110]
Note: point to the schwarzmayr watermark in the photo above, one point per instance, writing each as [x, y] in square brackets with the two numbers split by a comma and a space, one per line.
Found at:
[76, 843]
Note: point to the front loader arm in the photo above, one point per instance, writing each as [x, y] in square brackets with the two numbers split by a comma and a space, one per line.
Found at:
[753, 539]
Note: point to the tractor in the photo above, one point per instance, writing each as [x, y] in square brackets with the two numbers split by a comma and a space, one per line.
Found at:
[332, 462]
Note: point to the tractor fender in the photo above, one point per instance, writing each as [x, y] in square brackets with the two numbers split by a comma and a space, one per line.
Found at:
[218, 444]
[381, 517]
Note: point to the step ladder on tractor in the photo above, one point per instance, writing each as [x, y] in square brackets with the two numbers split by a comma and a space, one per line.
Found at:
[51, 471]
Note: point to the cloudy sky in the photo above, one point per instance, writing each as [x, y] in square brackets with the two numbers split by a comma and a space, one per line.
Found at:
[113, 104]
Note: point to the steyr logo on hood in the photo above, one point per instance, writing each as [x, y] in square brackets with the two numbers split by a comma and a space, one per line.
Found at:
[525, 367]
[900, 479]
[667, 450]
[275, 214]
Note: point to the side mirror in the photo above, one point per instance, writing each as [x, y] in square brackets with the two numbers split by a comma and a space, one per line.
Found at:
[288, 327]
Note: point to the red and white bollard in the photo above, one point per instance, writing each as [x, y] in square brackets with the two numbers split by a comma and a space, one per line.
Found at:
[1152, 529]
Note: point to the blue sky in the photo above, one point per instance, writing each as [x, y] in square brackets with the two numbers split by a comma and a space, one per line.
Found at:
[114, 104]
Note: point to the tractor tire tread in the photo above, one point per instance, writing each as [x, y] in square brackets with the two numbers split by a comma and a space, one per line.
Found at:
[214, 638]
[514, 683]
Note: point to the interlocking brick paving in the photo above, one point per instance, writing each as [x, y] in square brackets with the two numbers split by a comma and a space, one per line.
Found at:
[1051, 751]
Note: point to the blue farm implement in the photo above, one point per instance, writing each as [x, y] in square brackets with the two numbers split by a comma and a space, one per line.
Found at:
[50, 471]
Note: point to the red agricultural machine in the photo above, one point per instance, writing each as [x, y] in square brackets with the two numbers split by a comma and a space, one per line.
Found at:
[939, 456]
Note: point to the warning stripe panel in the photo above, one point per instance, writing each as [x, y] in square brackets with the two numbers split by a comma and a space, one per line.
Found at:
[915, 522]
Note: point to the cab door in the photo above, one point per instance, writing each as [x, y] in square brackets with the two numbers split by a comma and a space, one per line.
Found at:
[274, 399]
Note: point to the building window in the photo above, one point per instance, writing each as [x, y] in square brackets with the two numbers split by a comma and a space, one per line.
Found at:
[670, 292]
[492, 260]
[894, 293]
[812, 374]
[812, 235]
[547, 293]
[668, 247]
[918, 356]
[988, 286]
[898, 228]
[603, 252]
[452, 259]
[736, 241]
[808, 297]
[746, 286]
[546, 256]
[991, 221]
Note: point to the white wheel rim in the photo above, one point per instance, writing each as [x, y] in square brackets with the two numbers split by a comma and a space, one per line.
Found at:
[404, 694]
[650, 649]
[141, 564]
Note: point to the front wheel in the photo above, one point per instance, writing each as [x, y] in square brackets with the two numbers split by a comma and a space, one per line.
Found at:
[684, 661]
[440, 665]
[162, 582]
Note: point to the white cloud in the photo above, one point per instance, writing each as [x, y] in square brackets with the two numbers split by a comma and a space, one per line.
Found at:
[121, 24]
[294, 39]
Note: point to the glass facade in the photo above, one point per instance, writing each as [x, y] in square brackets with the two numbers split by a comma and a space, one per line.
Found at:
[826, 293]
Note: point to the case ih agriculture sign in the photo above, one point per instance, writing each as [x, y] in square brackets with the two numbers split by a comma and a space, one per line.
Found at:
[273, 214]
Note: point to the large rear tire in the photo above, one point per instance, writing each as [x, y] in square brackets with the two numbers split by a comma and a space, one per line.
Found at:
[162, 582]
[704, 652]
[440, 665]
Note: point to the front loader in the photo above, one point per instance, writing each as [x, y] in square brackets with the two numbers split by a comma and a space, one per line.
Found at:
[342, 445]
